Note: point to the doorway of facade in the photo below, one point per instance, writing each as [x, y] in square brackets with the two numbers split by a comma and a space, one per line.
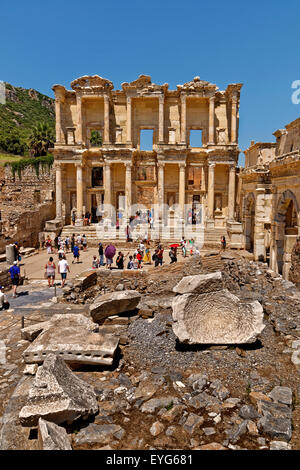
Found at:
[97, 201]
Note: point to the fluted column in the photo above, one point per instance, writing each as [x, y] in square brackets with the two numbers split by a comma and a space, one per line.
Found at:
[211, 190]
[182, 187]
[129, 118]
[79, 193]
[183, 119]
[231, 193]
[161, 189]
[79, 119]
[128, 188]
[211, 129]
[106, 120]
[161, 119]
[58, 192]
[234, 119]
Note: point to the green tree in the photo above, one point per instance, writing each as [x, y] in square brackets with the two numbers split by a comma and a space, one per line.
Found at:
[40, 139]
[95, 139]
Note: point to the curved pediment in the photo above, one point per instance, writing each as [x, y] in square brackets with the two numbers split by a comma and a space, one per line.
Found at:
[94, 82]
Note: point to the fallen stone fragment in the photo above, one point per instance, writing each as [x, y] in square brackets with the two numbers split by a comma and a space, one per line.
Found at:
[282, 395]
[248, 412]
[99, 434]
[218, 390]
[255, 397]
[156, 403]
[211, 446]
[52, 437]
[252, 428]
[216, 318]
[156, 428]
[74, 337]
[173, 413]
[145, 390]
[277, 410]
[209, 431]
[235, 434]
[276, 427]
[114, 303]
[199, 284]
[192, 423]
[279, 445]
[58, 395]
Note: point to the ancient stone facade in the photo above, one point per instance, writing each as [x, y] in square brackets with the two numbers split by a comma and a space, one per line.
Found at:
[269, 197]
[27, 202]
[119, 173]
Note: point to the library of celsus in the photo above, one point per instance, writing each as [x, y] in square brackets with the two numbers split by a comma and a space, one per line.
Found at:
[99, 160]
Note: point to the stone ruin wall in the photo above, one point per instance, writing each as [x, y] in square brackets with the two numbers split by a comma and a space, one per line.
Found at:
[26, 204]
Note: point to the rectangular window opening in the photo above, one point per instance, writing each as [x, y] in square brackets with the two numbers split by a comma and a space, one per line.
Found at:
[146, 139]
[196, 138]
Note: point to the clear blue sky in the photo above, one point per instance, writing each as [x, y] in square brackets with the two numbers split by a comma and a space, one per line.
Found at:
[257, 43]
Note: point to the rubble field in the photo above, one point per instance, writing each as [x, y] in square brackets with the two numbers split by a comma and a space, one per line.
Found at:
[156, 392]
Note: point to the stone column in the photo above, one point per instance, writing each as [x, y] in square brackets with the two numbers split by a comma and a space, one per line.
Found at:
[203, 179]
[129, 123]
[211, 128]
[128, 189]
[58, 192]
[161, 120]
[231, 192]
[107, 184]
[234, 119]
[211, 190]
[106, 120]
[79, 119]
[182, 187]
[183, 119]
[58, 128]
[79, 194]
[161, 188]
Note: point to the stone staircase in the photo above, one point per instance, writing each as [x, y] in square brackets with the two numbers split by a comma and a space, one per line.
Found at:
[173, 234]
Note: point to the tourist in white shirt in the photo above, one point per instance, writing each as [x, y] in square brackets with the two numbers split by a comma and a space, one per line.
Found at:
[63, 268]
[4, 305]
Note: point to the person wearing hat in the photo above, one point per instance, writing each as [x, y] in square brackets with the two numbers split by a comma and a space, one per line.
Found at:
[14, 271]
[4, 305]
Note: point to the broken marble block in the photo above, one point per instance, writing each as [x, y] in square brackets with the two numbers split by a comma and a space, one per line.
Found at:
[114, 303]
[199, 284]
[57, 395]
[74, 337]
[52, 437]
[216, 318]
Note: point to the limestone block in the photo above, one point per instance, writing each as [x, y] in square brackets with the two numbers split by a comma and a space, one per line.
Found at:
[113, 304]
[216, 318]
[57, 395]
[199, 284]
[52, 437]
[74, 337]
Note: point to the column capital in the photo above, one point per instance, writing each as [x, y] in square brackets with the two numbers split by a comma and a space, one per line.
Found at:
[212, 98]
[160, 164]
[128, 99]
[182, 165]
[79, 164]
[211, 164]
[128, 165]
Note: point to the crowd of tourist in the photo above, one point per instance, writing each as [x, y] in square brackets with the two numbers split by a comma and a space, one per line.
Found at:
[77, 246]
